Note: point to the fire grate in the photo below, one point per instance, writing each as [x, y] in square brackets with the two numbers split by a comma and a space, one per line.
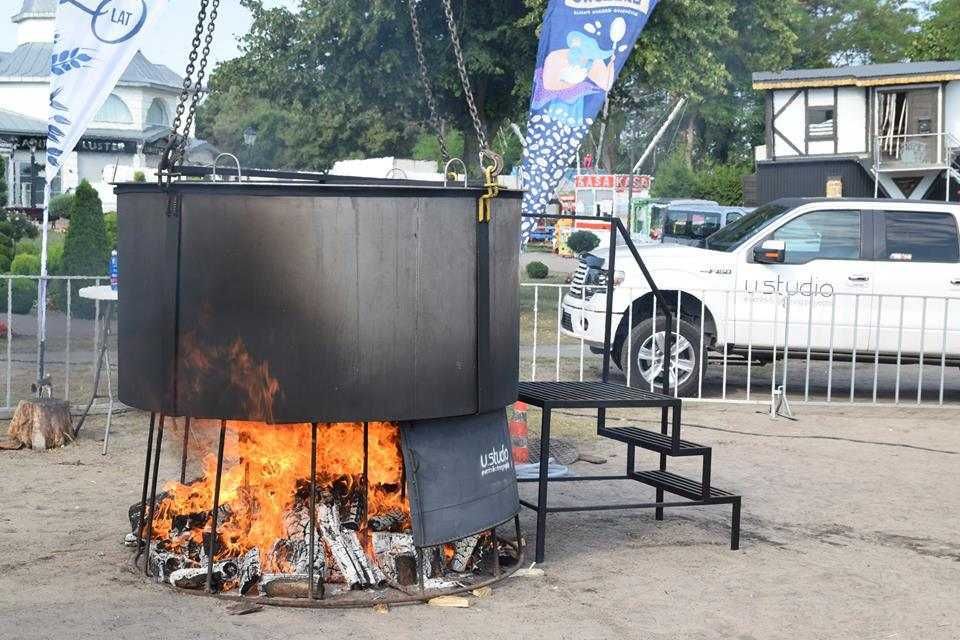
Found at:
[343, 537]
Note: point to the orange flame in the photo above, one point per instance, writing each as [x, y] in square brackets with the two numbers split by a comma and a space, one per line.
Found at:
[266, 470]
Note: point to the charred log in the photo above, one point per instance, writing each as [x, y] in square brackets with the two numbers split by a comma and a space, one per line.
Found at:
[250, 571]
[389, 521]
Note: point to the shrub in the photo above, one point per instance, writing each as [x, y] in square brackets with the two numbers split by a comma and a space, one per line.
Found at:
[722, 183]
[25, 264]
[113, 233]
[23, 298]
[537, 270]
[22, 227]
[60, 206]
[86, 250]
[582, 242]
[139, 176]
[55, 259]
[27, 245]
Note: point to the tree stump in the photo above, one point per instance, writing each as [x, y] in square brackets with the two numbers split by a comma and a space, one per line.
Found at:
[41, 424]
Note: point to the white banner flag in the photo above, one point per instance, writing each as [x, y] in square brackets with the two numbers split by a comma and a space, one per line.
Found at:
[93, 44]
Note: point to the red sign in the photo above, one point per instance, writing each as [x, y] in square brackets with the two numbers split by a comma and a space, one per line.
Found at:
[619, 182]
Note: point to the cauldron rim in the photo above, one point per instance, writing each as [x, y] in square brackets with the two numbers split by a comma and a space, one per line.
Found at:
[336, 186]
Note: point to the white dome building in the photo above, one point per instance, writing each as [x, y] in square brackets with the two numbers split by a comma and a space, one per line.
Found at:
[125, 136]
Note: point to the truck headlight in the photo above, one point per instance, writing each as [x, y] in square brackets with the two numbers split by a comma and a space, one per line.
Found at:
[618, 278]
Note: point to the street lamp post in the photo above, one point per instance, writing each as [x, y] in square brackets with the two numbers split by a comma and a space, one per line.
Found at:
[249, 140]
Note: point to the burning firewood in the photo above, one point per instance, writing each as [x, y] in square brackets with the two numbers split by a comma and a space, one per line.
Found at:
[463, 553]
[396, 556]
[196, 577]
[389, 521]
[354, 510]
[165, 563]
[345, 547]
[250, 571]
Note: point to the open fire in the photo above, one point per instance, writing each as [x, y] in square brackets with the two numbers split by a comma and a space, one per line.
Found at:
[360, 533]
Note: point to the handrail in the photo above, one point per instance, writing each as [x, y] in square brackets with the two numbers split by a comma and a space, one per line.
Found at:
[213, 175]
[616, 226]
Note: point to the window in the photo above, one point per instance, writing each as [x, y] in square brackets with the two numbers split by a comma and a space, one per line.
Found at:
[733, 217]
[157, 114]
[704, 224]
[114, 111]
[820, 122]
[735, 234]
[821, 235]
[920, 237]
[675, 224]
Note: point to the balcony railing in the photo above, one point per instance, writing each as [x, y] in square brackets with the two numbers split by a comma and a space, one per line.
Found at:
[915, 151]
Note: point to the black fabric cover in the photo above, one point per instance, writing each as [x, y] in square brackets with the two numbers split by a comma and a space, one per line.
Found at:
[460, 476]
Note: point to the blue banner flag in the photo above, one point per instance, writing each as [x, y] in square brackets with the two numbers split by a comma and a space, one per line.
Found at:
[583, 46]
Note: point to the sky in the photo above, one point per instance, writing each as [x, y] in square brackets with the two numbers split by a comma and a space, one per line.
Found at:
[169, 43]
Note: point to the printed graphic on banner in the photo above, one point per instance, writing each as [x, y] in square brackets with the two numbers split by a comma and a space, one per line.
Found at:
[93, 43]
[583, 46]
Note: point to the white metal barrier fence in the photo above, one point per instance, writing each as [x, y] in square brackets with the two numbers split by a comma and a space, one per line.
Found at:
[71, 347]
[810, 342]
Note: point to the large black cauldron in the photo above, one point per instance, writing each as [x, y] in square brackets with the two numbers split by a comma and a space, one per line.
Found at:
[358, 302]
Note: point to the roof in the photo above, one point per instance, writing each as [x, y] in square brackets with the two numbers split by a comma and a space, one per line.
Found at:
[17, 124]
[859, 75]
[32, 60]
[36, 9]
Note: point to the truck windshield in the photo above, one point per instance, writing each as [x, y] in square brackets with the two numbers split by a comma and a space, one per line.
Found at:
[736, 233]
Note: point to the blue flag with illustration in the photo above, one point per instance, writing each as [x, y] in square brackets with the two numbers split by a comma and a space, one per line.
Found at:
[94, 41]
[583, 46]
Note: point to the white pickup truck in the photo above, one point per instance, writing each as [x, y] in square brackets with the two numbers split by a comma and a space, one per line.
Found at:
[838, 277]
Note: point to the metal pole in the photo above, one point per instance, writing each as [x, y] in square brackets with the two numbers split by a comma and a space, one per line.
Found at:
[153, 495]
[659, 134]
[183, 455]
[212, 548]
[42, 285]
[313, 508]
[146, 481]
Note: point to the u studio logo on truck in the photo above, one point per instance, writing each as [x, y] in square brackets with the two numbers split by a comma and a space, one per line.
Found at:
[495, 460]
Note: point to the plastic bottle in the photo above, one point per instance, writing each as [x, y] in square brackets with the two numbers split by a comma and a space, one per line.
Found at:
[114, 269]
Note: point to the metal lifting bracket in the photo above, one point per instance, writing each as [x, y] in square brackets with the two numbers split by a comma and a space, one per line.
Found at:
[493, 190]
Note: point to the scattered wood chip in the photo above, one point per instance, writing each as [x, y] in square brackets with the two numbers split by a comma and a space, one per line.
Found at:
[530, 572]
[243, 608]
[592, 459]
[381, 607]
[449, 601]
[483, 592]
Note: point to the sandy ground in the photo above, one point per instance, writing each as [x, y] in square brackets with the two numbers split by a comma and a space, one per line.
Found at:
[850, 531]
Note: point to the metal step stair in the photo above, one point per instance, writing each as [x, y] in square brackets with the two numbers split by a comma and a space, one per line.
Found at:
[654, 441]
[680, 485]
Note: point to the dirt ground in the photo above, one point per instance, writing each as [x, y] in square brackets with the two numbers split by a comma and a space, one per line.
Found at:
[851, 520]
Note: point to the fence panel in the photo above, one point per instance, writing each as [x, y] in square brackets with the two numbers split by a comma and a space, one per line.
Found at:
[71, 344]
[837, 348]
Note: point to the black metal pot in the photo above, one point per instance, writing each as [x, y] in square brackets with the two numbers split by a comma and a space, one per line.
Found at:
[316, 303]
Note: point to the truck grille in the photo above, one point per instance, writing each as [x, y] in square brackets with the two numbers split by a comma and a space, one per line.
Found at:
[566, 321]
[577, 286]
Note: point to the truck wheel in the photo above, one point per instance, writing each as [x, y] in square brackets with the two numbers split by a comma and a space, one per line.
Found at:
[646, 357]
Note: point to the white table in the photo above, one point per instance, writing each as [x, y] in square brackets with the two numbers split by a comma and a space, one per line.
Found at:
[107, 295]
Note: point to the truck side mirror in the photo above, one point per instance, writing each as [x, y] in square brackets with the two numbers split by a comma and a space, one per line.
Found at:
[770, 252]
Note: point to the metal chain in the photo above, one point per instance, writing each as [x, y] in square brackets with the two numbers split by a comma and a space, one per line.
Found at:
[201, 74]
[435, 119]
[175, 149]
[485, 150]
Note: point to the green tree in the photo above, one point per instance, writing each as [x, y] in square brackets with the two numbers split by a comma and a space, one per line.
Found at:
[86, 249]
[3, 181]
[339, 79]
[939, 35]
[722, 183]
[838, 32]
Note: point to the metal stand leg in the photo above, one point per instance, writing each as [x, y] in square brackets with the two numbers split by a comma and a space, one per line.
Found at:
[516, 524]
[100, 349]
[143, 495]
[153, 494]
[186, 447]
[658, 511]
[735, 526]
[420, 581]
[313, 509]
[496, 554]
[105, 357]
[542, 487]
[212, 549]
